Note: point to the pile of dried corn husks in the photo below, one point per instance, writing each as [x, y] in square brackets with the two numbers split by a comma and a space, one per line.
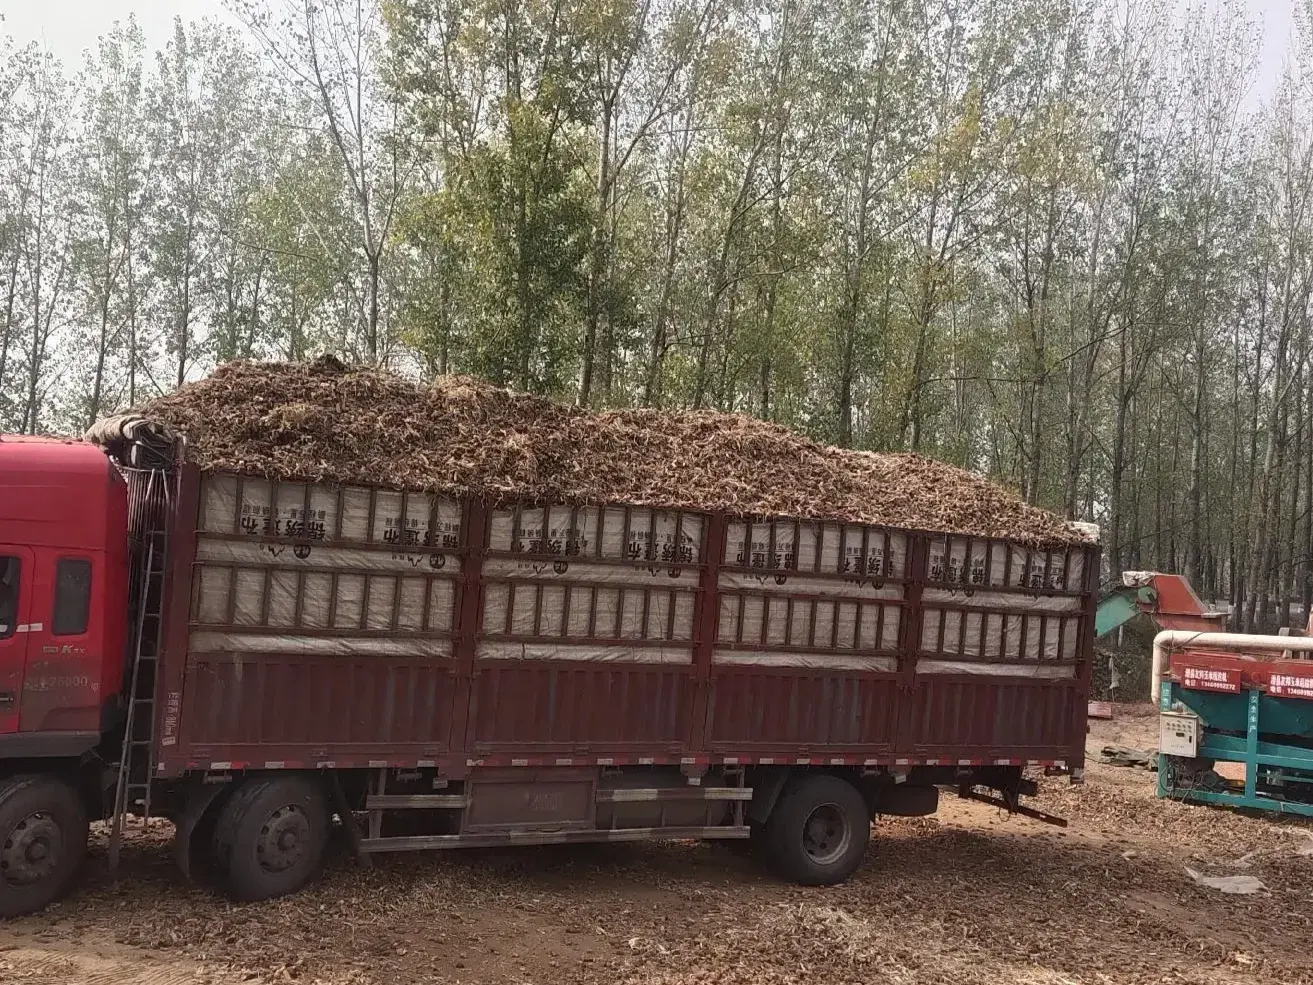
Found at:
[321, 421]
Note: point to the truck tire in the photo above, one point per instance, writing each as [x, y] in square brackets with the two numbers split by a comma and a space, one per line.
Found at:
[818, 831]
[43, 840]
[270, 837]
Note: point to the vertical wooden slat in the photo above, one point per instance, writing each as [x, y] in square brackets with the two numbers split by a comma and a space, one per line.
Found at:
[264, 598]
[237, 506]
[364, 601]
[332, 600]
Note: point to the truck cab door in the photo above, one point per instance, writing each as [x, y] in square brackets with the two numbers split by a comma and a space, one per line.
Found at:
[17, 571]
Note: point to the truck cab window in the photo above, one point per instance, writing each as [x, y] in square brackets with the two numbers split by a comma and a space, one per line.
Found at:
[9, 569]
[72, 597]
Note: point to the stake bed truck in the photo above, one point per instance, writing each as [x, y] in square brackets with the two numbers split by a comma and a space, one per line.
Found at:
[260, 660]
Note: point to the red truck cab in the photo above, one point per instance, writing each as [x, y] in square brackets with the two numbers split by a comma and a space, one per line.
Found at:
[63, 596]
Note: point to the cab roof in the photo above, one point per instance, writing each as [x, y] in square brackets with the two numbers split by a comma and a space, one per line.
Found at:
[58, 492]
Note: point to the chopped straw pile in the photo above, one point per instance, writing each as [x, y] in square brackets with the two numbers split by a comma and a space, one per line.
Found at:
[321, 421]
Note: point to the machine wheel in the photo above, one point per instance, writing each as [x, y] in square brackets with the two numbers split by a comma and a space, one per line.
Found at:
[270, 837]
[818, 832]
[43, 840]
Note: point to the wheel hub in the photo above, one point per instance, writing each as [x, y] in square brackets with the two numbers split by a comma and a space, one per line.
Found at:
[826, 834]
[31, 850]
[283, 839]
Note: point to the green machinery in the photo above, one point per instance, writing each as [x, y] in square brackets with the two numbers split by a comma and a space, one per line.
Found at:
[1228, 698]
[1223, 698]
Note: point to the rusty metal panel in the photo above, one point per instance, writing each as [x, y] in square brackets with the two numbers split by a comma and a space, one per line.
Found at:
[795, 709]
[557, 799]
[305, 707]
[533, 706]
[964, 716]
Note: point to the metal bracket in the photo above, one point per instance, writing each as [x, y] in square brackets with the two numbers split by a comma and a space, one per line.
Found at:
[1014, 807]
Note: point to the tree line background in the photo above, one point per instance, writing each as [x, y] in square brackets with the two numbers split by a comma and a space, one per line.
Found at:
[1056, 241]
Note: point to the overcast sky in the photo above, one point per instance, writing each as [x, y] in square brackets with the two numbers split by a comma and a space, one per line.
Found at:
[68, 27]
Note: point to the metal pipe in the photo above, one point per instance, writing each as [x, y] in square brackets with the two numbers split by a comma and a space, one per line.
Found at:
[1169, 638]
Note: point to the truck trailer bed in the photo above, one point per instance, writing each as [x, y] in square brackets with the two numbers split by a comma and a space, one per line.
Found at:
[329, 626]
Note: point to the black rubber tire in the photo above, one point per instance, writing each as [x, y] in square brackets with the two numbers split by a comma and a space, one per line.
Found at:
[833, 807]
[247, 862]
[39, 814]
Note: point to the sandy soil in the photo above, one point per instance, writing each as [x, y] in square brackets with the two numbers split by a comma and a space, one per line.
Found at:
[970, 896]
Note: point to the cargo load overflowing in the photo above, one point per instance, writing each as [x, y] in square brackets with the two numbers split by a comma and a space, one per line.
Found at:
[325, 422]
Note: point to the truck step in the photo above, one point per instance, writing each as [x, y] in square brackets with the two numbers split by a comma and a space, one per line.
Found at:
[402, 801]
[639, 795]
[495, 839]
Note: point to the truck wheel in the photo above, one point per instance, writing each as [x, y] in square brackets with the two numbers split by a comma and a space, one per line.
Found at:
[270, 837]
[818, 832]
[43, 840]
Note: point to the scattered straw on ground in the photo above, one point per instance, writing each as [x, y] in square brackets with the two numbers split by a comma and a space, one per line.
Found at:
[972, 897]
[322, 421]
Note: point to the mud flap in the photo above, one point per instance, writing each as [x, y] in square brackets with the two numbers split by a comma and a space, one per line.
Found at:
[766, 790]
[349, 822]
[199, 801]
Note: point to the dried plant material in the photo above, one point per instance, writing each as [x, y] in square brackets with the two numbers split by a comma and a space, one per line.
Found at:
[321, 421]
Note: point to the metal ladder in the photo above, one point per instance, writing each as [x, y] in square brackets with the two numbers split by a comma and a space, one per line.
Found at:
[133, 786]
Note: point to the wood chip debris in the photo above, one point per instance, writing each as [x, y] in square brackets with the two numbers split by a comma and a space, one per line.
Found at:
[973, 897]
[323, 421]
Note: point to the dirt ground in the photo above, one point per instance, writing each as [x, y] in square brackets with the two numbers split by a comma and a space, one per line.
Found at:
[970, 896]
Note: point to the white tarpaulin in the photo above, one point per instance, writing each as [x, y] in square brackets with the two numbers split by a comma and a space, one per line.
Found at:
[319, 646]
[1047, 631]
[1034, 671]
[404, 520]
[812, 661]
[820, 548]
[985, 564]
[586, 652]
[565, 583]
[580, 593]
[397, 586]
[773, 619]
[663, 538]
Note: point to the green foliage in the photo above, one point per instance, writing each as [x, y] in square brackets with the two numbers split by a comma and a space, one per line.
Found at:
[1047, 239]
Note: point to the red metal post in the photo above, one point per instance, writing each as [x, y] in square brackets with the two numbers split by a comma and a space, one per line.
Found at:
[1085, 656]
[469, 615]
[171, 662]
[706, 617]
[909, 639]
